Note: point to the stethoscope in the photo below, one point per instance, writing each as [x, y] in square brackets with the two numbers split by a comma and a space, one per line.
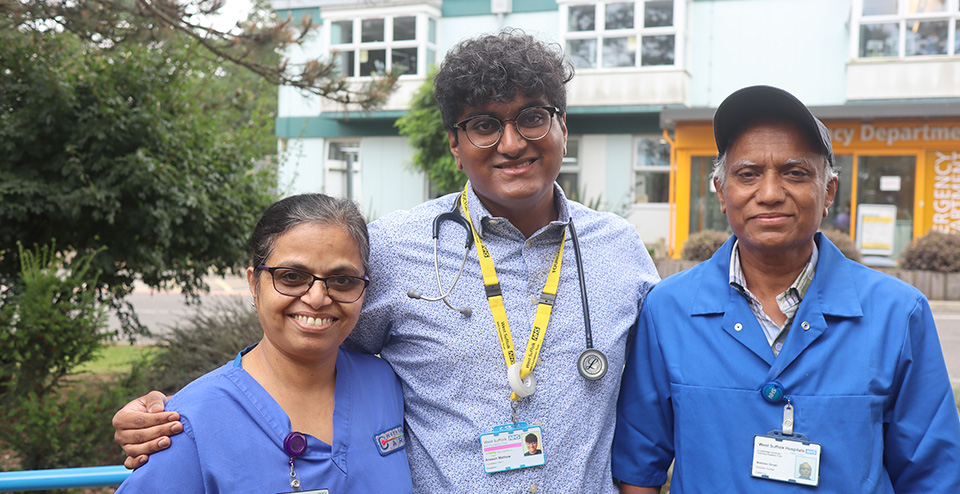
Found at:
[592, 363]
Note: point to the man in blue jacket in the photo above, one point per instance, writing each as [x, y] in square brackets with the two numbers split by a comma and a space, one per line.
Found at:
[779, 352]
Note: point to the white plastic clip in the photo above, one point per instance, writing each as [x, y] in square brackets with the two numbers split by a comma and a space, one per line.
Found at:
[788, 419]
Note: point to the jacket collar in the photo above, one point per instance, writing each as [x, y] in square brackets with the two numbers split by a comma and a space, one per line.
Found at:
[834, 289]
[832, 293]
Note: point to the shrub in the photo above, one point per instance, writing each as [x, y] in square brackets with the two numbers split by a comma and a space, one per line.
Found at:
[69, 426]
[701, 245]
[211, 336]
[934, 251]
[843, 242]
[49, 324]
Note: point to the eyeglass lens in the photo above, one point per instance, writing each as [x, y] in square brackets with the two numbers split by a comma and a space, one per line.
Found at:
[532, 124]
[295, 283]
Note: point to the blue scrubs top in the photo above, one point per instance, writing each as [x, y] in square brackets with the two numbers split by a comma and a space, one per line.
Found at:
[862, 365]
[233, 433]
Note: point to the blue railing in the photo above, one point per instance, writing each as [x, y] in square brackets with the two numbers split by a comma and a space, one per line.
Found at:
[62, 478]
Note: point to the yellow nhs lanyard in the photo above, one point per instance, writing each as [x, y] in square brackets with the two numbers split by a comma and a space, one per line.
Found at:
[499, 312]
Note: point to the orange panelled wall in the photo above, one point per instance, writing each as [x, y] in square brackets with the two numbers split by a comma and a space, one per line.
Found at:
[934, 143]
[691, 140]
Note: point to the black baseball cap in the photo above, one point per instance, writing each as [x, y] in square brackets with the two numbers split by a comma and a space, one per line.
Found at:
[749, 104]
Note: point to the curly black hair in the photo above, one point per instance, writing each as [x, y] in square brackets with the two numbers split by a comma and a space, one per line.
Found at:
[495, 67]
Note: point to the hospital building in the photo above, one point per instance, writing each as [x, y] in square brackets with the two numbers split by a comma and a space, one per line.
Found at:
[883, 75]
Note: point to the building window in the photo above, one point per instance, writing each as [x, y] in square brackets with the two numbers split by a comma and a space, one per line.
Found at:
[371, 46]
[651, 170]
[906, 28]
[569, 178]
[617, 34]
[342, 169]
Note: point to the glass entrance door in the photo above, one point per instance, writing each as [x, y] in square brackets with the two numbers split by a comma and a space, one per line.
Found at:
[885, 201]
[704, 206]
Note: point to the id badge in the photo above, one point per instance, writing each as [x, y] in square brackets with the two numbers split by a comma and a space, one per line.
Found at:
[511, 447]
[792, 459]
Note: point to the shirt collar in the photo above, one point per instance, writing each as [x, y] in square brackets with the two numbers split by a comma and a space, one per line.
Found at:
[486, 223]
[799, 287]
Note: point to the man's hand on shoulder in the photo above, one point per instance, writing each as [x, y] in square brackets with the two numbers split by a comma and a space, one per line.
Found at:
[143, 428]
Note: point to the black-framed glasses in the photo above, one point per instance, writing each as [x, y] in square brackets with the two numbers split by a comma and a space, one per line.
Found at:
[294, 282]
[485, 131]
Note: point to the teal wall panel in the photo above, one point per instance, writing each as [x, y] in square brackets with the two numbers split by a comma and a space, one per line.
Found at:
[338, 126]
[613, 123]
[585, 120]
[460, 8]
[297, 14]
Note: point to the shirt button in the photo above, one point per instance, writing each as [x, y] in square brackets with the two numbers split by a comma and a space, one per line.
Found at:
[527, 244]
[533, 488]
[534, 300]
[805, 325]
[738, 326]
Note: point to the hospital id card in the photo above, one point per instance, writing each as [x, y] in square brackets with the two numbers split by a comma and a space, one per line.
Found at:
[790, 459]
[511, 447]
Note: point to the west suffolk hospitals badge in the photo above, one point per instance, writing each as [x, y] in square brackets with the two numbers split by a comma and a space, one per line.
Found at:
[510, 447]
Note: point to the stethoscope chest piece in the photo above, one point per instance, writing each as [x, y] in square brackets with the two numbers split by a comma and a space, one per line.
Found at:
[592, 364]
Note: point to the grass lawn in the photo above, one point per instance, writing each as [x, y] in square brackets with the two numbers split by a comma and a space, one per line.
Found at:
[114, 359]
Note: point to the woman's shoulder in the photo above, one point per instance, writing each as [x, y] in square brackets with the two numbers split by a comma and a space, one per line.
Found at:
[209, 387]
[366, 362]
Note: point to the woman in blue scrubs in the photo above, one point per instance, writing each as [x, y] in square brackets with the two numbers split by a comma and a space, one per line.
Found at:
[294, 412]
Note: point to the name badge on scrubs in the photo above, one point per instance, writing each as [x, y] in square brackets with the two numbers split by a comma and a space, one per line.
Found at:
[390, 441]
[512, 447]
[792, 459]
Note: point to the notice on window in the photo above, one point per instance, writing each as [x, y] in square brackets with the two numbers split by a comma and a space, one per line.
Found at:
[890, 183]
[875, 228]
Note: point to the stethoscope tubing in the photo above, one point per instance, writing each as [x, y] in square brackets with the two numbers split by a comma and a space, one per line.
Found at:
[583, 284]
[592, 364]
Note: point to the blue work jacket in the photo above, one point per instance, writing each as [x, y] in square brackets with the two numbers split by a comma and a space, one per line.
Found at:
[862, 366]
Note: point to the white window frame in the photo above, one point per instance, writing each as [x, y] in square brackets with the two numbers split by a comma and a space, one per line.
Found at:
[571, 165]
[426, 18]
[338, 168]
[637, 32]
[903, 19]
[646, 168]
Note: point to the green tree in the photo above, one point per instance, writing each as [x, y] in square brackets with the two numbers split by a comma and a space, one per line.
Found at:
[144, 150]
[106, 24]
[423, 125]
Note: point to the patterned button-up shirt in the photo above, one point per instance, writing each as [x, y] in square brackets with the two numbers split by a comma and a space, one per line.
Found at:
[452, 369]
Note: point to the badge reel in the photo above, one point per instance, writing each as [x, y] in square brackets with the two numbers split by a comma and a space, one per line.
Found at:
[523, 387]
[784, 455]
[295, 444]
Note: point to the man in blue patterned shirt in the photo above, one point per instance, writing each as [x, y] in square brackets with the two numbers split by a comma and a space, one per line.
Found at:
[503, 101]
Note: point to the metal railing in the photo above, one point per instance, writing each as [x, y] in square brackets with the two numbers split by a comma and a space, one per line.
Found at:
[62, 478]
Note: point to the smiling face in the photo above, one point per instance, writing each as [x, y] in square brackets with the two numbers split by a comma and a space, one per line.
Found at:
[515, 177]
[774, 194]
[532, 447]
[805, 471]
[311, 326]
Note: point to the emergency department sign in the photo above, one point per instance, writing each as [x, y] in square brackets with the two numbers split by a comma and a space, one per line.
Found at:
[944, 186]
